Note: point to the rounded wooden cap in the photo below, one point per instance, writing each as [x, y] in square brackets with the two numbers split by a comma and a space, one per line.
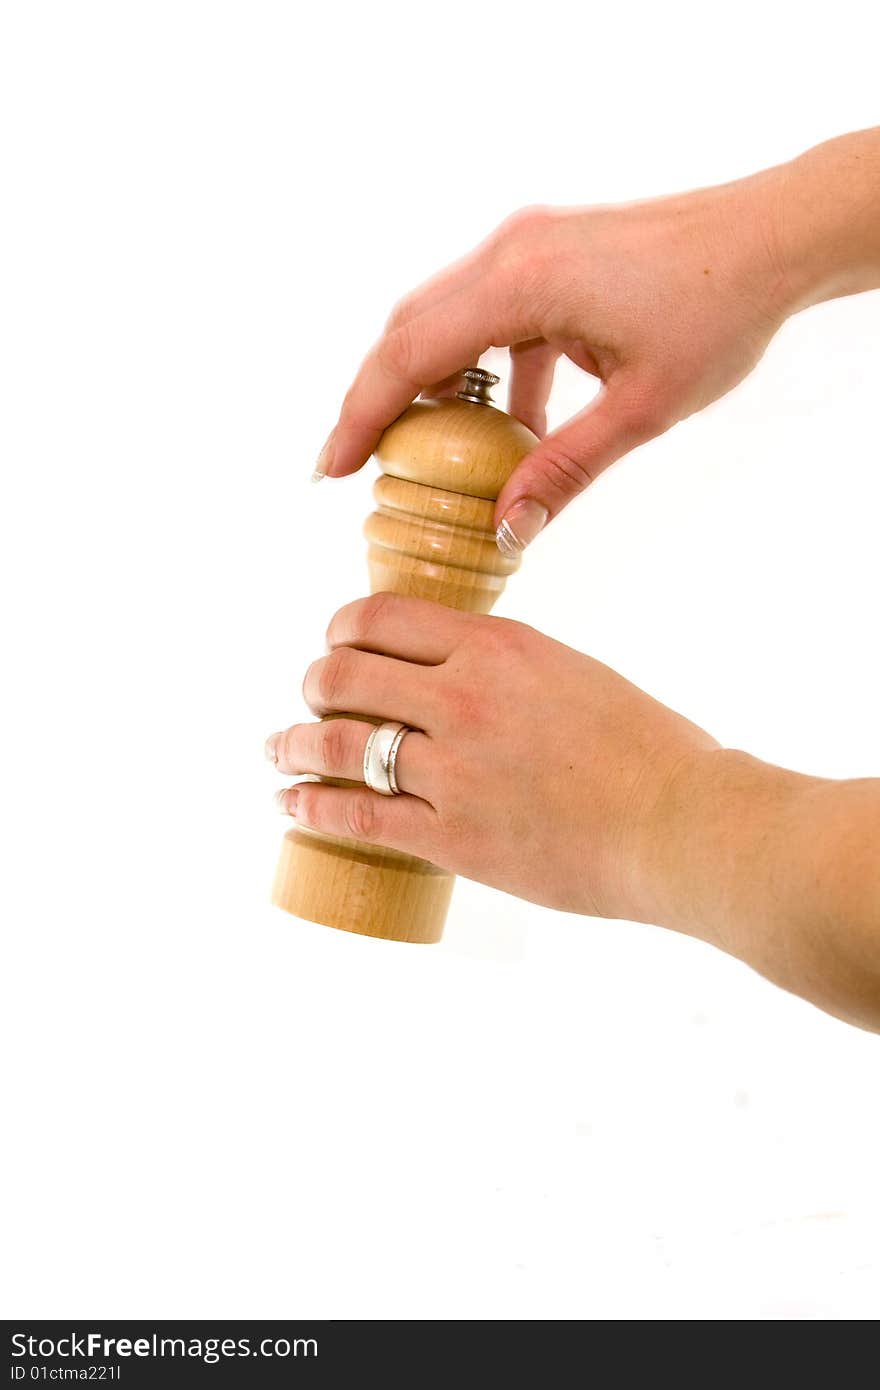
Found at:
[462, 444]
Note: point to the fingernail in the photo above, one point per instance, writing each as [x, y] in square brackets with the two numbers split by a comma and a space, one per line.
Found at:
[325, 458]
[286, 799]
[520, 526]
[271, 749]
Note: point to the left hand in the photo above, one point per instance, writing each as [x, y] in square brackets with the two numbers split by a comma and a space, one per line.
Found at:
[530, 767]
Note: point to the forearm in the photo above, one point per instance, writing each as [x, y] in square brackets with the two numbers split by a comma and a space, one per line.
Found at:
[778, 869]
[823, 212]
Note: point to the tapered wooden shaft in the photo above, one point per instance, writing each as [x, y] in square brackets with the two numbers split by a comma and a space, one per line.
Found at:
[431, 536]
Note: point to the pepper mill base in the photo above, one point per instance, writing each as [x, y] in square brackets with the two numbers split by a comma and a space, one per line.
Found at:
[355, 888]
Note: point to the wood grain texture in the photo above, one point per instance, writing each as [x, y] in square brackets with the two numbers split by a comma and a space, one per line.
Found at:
[431, 536]
[455, 445]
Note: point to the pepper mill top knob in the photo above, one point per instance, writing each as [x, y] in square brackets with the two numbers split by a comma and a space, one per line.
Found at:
[455, 443]
[478, 384]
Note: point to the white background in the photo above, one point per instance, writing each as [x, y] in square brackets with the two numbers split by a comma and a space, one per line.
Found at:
[217, 1110]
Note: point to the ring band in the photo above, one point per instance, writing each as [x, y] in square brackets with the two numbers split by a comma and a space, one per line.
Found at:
[380, 757]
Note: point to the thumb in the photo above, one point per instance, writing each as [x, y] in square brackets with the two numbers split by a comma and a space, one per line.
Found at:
[623, 415]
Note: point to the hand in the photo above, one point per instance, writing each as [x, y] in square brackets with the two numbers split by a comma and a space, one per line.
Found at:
[532, 768]
[669, 302]
[540, 771]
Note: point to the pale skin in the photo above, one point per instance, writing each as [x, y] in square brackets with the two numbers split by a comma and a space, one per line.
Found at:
[624, 808]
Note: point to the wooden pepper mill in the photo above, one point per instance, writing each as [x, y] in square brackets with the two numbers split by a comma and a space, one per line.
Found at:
[445, 462]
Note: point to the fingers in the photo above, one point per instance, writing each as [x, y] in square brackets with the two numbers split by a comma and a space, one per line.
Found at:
[456, 276]
[411, 629]
[335, 748]
[432, 345]
[353, 682]
[400, 822]
[443, 339]
[532, 365]
[442, 328]
[625, 414]
[383, 387]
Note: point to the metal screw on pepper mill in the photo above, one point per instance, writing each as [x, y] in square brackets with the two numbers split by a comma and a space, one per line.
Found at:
[479, 384]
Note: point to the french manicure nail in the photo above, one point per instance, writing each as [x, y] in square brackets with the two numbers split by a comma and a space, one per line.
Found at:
[286, 799]
[520, 525]
[271, 749]
[325, 458]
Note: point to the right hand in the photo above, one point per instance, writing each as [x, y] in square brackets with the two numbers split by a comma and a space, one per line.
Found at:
[669, 303]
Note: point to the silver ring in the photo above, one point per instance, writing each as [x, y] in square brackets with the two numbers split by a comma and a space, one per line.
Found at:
[380, 757]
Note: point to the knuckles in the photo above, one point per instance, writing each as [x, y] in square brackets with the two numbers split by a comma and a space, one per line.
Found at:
[308, 806]
[509, 637]
[567, 474]
[521, 245]
[285, 749]
[332, 748]
[641, 412]
[526, 224]
[395, 352]
[476, 678]
[319, 748]
[405, 309]
[650, 403]
[328, 677]
[357, 622]
[645, 414]
[499, 641]
[361, 814]
[335, 675]
[357, 816]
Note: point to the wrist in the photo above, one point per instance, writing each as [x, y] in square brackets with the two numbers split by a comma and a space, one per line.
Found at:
[822, 215]
[775, 868]
[755, 222]
[712, 846]
[657, 861]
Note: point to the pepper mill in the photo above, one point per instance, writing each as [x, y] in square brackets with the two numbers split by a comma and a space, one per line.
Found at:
[444, 463]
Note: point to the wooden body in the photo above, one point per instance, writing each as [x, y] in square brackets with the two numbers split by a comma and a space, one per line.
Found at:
[432, 536]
